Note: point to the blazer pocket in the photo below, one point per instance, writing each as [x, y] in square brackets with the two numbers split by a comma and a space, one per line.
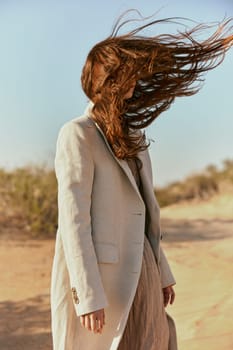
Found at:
[106, 253]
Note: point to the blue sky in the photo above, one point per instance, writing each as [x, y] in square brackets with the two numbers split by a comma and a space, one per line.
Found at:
[43, 48]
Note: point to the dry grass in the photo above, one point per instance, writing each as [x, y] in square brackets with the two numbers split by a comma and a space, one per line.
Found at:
[29, 196]
[198, 186]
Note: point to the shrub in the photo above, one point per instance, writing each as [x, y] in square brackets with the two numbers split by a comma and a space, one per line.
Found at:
[198, 186]
[33, 193]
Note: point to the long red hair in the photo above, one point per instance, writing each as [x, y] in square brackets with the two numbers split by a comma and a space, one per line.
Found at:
[164, 67]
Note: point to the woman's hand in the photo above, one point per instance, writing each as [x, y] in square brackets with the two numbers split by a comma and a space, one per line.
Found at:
[168, 295]
[93, 321]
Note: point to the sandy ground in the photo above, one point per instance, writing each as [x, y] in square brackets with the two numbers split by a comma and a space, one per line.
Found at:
[198, 241]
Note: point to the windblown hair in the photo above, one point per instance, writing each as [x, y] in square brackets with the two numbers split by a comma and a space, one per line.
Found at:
[164, 67]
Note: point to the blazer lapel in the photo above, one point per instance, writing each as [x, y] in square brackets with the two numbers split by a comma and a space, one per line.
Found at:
[146, 182]
[122, 163]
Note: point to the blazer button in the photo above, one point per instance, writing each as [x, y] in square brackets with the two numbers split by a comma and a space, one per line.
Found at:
[75, 296]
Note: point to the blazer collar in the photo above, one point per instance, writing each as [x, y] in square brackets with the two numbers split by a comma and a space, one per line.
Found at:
[122, 163]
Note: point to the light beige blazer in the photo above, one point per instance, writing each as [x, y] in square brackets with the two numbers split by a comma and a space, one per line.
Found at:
[99, 242]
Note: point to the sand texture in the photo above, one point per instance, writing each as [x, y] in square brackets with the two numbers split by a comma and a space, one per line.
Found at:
[198, 240]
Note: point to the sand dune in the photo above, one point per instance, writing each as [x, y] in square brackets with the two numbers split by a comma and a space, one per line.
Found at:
[198, 242]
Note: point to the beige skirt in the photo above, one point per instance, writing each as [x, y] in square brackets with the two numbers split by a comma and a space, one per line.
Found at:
[148, 326]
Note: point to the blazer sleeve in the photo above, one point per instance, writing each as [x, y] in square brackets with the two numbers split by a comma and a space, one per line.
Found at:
[166, 275]
[74, 169]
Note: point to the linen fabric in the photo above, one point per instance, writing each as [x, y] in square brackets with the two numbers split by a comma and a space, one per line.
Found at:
[100, 237]
[148, 326]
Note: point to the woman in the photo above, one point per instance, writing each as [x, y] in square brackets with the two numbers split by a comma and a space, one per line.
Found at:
[110, 278]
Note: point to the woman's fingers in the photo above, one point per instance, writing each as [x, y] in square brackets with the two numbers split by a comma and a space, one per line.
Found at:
[100, 321]
[87, 322]
[93, 321]
[173, 295]
[82, 320]
[168, 295]
[99, 326]
[165, 298]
